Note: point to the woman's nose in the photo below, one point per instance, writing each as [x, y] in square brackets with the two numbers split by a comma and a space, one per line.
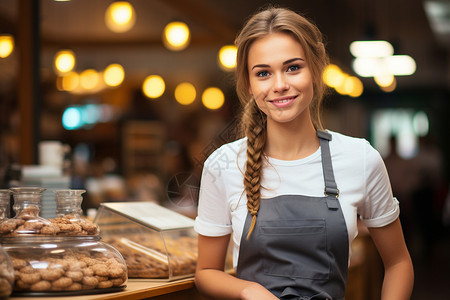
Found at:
[280, 84]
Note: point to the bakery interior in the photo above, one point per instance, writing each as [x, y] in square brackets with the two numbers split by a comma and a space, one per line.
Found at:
[143, 135]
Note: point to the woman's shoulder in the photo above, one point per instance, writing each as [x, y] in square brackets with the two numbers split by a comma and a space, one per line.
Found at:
[347, 143]
[353, 148]
[228, 152]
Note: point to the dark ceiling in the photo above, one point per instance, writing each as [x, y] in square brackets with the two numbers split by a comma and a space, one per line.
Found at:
[79, 25]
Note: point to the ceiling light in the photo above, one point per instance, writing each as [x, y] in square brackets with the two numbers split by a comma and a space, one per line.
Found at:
[185, 93]
[176, 36]
[389, 88]
[114, 75]
[64, 61]
[153, 86]
[89, 79]
[371, 49]
[70, 81]
[213, 98]
[401, 65]
[120, 16]
[332, 75]
[384, 80]
[227, 57]
[6, 45]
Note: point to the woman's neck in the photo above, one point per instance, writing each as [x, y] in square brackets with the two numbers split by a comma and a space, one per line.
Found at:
[290, 141]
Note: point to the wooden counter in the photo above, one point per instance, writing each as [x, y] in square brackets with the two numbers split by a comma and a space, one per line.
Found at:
[139, 289]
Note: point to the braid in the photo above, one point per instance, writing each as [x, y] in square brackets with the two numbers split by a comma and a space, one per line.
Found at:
[254, 122]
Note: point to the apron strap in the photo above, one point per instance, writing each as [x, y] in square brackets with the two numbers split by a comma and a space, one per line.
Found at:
[331, 190]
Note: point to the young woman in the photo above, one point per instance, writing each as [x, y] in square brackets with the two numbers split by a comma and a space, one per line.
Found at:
[288, 194]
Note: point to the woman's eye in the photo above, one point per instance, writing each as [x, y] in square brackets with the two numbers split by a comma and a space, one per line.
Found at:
[293, 68]
[262, 74]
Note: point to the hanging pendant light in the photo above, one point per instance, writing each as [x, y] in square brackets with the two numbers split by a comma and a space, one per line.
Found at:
[6, 45]
[176, 36]
[120, 16]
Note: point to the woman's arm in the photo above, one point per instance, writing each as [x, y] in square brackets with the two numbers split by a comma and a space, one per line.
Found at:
[399, 274]
[210, 278]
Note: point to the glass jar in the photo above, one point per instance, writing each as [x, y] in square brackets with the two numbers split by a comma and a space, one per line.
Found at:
[4, 204]
[53, 265]
[6, 275]
[27, 205]
[69, 215]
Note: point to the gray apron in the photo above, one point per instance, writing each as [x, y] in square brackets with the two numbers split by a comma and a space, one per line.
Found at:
[299, 246]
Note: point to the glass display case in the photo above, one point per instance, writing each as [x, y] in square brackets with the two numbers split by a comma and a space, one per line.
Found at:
[49, 266]
[6, 275]
[156, 243]
[60, 256]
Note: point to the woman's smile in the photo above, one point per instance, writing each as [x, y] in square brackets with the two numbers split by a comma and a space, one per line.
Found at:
[283, 101]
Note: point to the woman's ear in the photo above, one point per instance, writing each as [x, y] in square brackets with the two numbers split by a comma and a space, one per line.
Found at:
[250, 91]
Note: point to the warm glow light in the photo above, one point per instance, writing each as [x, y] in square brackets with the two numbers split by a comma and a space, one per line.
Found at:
[384, 80]
[357, 87]
[371, 49]
[227, 57]
[6, 45]
[64, 61]
[120, 16]
[176, 36]
[153, 86]
[389, 88]
[70, 81]
[213, 98]
[185, 93]
[333, 76]
[344, 87]
[89, 79]
[114, 75]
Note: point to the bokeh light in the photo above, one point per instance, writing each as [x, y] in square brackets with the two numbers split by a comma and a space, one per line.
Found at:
[153, 86]
[6, 45]
[213, 98]
[176, 36]
[185, 93]
[89, 79]
[64, 61]
[120, 16]
[114, 75]
[227, 57]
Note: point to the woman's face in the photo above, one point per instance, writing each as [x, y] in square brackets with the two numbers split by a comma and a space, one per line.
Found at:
[280, 79]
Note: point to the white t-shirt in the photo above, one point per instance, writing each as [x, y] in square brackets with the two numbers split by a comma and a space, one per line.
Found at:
[359, 171]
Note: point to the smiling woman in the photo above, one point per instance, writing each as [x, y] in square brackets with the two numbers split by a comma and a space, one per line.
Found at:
[280, 79]
[290, 241]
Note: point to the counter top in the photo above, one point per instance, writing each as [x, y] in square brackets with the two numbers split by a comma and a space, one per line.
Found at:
[135, 289]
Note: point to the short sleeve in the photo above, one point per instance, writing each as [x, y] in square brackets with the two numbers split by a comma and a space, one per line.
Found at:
[213, 216]
[379, 208]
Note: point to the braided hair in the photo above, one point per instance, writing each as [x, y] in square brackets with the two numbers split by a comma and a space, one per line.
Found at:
[253, 120]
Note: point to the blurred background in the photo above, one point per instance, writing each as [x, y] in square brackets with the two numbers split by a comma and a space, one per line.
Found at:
[106, 96]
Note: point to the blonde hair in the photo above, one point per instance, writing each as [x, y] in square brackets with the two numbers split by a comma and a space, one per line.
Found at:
[253, 121]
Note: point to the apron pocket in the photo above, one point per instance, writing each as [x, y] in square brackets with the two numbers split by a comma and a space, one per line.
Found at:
[295, 248]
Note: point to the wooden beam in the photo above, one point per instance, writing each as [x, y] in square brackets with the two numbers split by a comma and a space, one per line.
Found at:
[29, 79]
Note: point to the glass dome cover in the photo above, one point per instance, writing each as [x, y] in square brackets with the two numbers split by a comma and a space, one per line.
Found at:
[4, 204]
[69, 214]
[27, 205]
[48, 265]
[6, 275]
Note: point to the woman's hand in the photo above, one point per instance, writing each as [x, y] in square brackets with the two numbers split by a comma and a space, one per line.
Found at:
[255, 291]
